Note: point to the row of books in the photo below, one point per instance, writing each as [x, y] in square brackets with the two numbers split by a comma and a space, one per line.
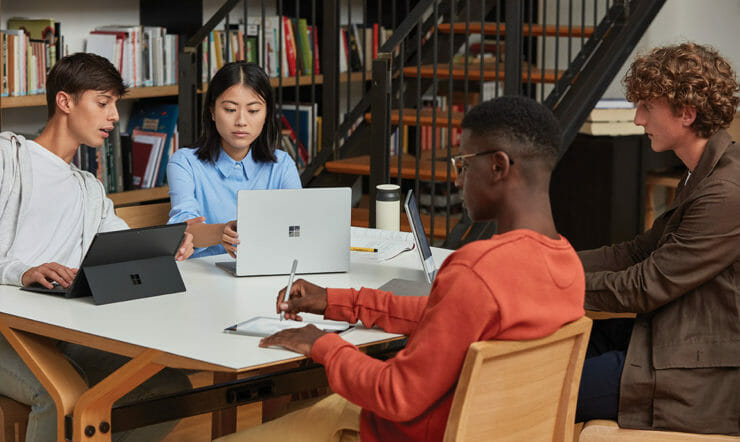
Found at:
[30, 47]
[145, 55]
[358, 46]
[439, 136]
[137, 158]
[287, 47]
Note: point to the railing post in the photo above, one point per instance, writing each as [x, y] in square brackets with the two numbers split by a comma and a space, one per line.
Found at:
[330, 69]
[380, 126]
[513, 48]
[188, 118]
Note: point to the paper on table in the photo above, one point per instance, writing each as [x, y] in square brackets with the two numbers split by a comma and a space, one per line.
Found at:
[266, 326]
[389, 243]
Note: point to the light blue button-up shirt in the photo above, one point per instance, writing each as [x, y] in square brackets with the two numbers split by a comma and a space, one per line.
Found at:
[201, 188]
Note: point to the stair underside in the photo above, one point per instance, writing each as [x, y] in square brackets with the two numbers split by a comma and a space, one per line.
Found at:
[490, 73]
[361, 166]
[426, 118]
[536, 30]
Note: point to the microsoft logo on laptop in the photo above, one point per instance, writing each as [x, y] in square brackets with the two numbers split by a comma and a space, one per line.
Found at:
[294, 231]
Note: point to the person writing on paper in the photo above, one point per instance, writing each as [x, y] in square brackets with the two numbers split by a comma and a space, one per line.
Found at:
[236, 151]
[525, 282]
[676, 366]
[49, 213]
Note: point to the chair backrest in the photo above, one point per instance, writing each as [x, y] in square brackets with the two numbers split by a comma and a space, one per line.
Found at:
[13, 420]
[520, 390]
[145, 215]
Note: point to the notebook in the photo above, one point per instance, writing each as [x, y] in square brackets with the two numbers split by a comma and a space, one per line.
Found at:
[126, 264]
[404, 286]
[277, 226]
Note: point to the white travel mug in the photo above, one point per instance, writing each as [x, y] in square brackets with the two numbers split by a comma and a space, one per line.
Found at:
[388, 207]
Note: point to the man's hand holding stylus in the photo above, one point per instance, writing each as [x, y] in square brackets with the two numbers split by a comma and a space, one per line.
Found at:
[304, 297]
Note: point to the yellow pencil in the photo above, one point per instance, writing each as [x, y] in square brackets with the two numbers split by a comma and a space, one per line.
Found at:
[363, 249]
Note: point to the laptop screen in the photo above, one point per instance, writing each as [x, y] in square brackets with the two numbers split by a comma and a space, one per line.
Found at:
[420, 238]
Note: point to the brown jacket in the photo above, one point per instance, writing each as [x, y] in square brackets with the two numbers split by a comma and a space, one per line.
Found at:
[682, 278]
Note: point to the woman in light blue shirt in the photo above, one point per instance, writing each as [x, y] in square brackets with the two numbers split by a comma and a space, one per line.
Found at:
[236, 151]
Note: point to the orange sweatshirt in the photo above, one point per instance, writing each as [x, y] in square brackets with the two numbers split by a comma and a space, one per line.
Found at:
[514, 286]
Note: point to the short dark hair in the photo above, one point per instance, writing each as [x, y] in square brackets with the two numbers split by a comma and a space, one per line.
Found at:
[530, 127]
[80, 72]
[253, 77]
[687, 74]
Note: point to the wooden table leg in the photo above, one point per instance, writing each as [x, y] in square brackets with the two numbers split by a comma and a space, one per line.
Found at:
[223, 422]
[51, 368]
[93, 410]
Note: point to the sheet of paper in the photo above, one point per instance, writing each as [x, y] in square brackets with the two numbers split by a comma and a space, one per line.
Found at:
[266, 326]
[389, 243]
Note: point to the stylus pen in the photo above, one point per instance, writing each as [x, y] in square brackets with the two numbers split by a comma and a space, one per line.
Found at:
[290, 284]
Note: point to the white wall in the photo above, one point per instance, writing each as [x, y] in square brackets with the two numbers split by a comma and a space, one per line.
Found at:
[715, 23]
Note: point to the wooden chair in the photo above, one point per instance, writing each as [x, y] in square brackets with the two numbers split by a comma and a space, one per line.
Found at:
[608, 431]
[520, 390]
[145, 215]
[13, 418]
[668, 179]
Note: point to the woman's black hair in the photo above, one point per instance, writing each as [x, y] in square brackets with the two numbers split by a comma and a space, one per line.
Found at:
[253, 77]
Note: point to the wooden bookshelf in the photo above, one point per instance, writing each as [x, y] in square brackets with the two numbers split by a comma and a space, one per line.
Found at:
[132, 197]
[134, 93]
[491, 72]
[172, 91]
[361, 166]
[537, 30]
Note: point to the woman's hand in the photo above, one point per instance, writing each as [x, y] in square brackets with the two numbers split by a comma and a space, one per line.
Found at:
[229, 238]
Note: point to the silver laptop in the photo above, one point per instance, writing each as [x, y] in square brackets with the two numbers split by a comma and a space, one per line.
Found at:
[404, 286]
[277, 226]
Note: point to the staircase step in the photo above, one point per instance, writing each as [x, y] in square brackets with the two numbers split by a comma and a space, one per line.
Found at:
[361, 166]
[537, 30]
[361, 218]
[426, 117]
[491, 72]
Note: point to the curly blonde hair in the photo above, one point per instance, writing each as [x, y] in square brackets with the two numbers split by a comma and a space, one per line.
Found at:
[688, 74]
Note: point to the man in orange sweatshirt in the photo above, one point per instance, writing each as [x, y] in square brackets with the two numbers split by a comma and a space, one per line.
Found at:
[525, 282]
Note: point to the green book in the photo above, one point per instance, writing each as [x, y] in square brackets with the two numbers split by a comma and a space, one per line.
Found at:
[305, 47]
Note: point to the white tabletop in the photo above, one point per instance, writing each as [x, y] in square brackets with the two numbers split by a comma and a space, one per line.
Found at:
[190, 324]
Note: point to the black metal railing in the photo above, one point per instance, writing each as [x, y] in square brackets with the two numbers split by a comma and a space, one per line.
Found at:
[442, 57]
[549, 49]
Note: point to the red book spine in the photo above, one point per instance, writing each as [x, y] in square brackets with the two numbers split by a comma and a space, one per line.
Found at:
[289, 46]
[314, 35]
[375, 41]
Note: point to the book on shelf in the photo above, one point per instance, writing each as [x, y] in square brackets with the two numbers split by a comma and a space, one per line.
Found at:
[355, 50]
[160, 118]
[304, 46]
[156, 141]
[290, 47]
[314, 40]
[611, 128]
[302, 153]
[287, 145]
[343, 51]
[304, 125]
[253, 48]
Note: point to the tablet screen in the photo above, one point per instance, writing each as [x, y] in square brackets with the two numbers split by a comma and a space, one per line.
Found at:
[420, 238]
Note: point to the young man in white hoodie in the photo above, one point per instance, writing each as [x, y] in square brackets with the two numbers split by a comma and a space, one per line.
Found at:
[49, 213]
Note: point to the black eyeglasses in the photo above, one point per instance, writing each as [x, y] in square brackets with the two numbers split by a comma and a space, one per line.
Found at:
[459, 164]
